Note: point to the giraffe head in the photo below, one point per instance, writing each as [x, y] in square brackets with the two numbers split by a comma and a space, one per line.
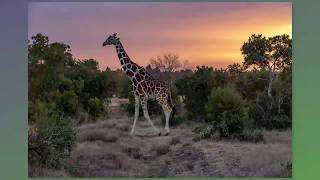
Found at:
[111, 40]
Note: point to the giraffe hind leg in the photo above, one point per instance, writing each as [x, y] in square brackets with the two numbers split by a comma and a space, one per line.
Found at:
[136, 113]
[146, 115]
[167, 112]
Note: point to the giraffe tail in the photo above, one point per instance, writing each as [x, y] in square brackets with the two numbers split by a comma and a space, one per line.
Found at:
[174, 110]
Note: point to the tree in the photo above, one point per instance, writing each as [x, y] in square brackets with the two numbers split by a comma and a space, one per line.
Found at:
[283, 92]
[169, 62]
[235, 70]
[273, 53]
[226, 111]
[195, 90]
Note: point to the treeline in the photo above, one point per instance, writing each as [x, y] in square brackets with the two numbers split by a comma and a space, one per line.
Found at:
[234, 102]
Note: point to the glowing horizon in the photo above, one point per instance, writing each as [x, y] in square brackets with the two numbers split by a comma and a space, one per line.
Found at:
[203, 33]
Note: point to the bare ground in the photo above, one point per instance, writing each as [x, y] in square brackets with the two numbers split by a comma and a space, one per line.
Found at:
[105, 149]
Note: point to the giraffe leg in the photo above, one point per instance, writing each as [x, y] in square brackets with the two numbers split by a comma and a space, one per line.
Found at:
[167, 111]
[136, 113]
[146, 114]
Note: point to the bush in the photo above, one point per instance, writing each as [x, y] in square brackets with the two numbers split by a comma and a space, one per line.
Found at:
[53, 140]
[67, 103]
[280, 121]
[206, 132]
[131, 105]
[226, 111]
[95, 107]
[197, 87]
[263, 117]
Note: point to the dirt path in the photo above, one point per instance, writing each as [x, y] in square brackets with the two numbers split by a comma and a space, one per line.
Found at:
[106, 149]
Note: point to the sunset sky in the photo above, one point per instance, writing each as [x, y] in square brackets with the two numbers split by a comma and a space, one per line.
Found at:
[203, 33]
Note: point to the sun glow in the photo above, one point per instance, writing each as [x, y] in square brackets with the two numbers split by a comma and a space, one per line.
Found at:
[203, 33]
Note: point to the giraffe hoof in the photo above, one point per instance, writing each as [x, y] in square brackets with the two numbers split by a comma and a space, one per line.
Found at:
[159, 134]
[166, 133]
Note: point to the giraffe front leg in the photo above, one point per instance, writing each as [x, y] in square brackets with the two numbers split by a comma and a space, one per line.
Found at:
[167, 111]
[146, 115]
[136, 113]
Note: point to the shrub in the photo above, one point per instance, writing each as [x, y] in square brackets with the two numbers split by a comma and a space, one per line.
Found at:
[206, 132]
[131, 105]
[67, 103]
[95, 107]
[53, 140]
[226, 111]
[280, 121]
[196, 88]
[65, 85]
[266, 118]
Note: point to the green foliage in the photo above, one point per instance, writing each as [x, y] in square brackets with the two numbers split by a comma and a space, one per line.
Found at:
[207, 132]
[283, 92]
[270, 108]
[266, 52]
[226, 111]
[67, 103]
[273, 54]
[54, 75]
[130, 107]
[279, 121]
[251, 83]
[92, 81]
[95, 107]
[196, 88]
[54, 138]
[126, 88]
[270, 119]
[58, 88]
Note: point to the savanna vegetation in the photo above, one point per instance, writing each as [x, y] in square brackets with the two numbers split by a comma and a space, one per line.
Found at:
[63, 92]
[237, 102]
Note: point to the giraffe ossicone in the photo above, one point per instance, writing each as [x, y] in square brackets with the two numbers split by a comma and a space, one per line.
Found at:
[145, 87]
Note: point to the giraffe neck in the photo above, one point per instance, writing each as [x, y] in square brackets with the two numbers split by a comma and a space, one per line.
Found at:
[129, 67]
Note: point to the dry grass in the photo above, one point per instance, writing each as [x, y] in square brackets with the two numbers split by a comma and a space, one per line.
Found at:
[133, 152]
[90, 159]
[161, 149]
[123, 127]
[175, 140]
[105, 149]
[243, 159]
[97, 135]
[44, 172]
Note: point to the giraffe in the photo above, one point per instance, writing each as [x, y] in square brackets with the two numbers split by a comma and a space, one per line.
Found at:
[145, 87]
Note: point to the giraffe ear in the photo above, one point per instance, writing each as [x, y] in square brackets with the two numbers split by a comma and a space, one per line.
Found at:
[115, 34]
